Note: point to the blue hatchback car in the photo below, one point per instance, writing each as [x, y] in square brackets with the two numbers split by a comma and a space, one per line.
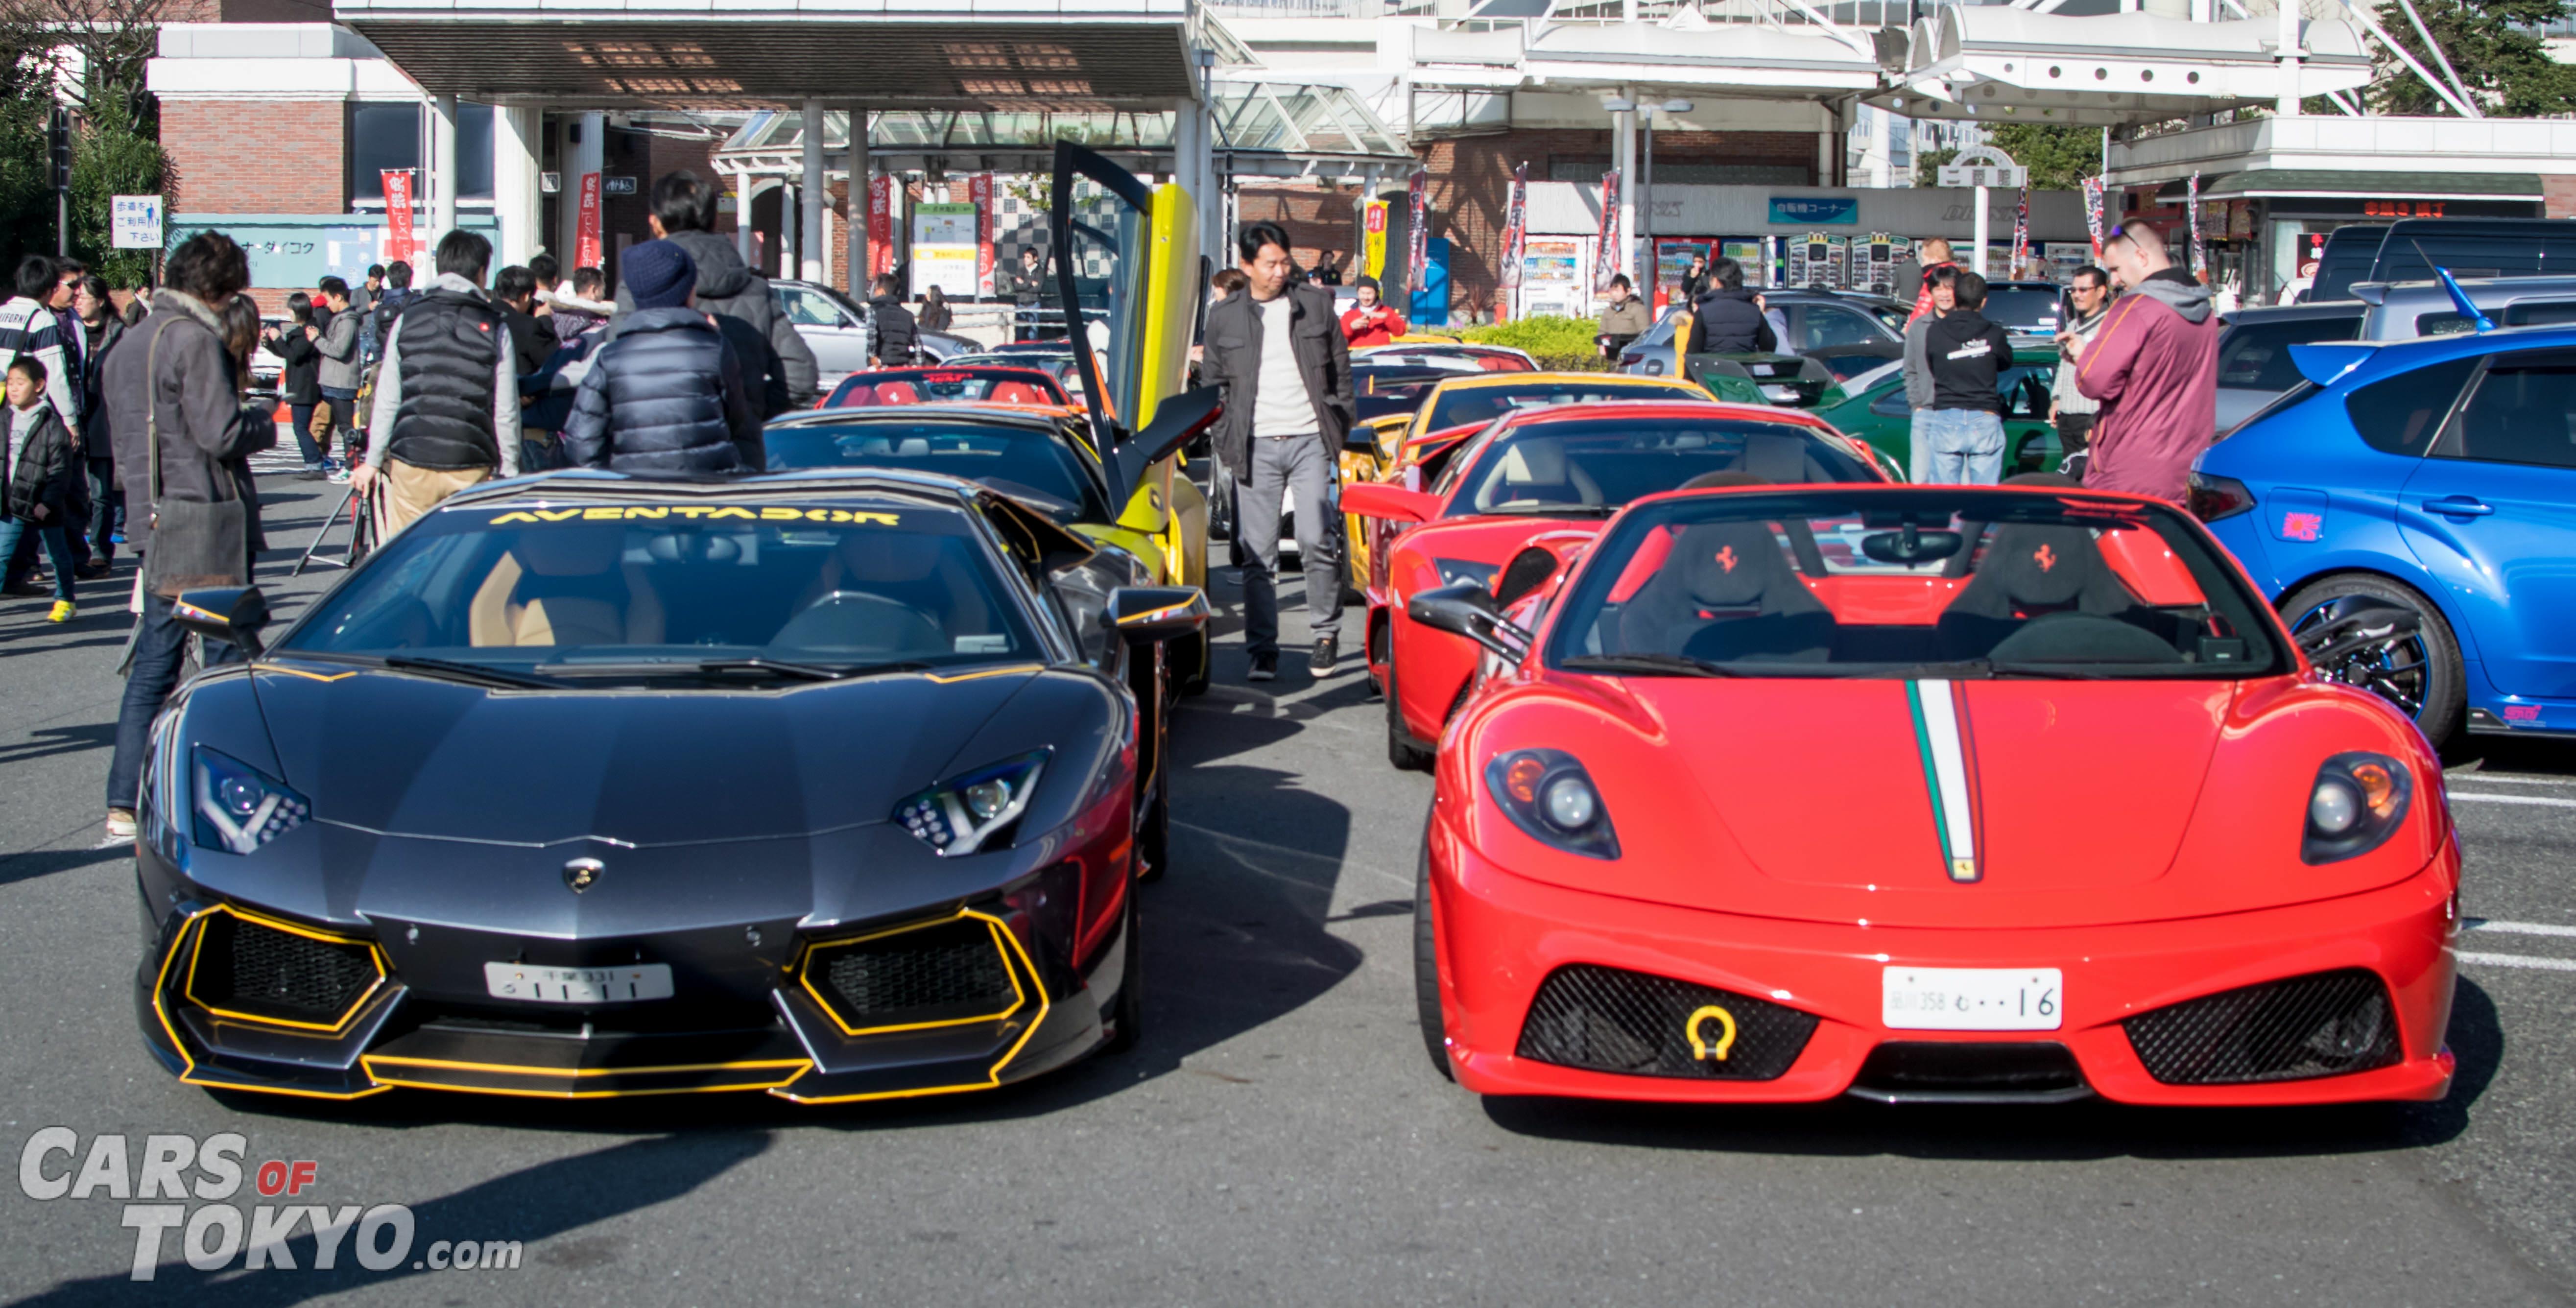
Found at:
[2436, 475]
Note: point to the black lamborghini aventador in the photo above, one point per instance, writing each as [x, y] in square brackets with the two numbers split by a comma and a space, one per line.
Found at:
[827, 785]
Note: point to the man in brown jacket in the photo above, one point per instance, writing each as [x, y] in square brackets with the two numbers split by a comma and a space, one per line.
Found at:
[170, 376]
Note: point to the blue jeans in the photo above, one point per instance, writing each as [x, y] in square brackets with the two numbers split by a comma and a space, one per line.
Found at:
[1964, 446]
[57, 543]
[301, 415]
[160, 647]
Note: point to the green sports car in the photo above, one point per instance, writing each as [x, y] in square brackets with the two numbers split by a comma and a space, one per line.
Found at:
[1872, 406]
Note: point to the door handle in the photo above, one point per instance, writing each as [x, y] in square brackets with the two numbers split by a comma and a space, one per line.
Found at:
[2459, 506]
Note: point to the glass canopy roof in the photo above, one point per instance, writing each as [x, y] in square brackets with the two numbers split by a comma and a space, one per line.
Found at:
[1265, 117]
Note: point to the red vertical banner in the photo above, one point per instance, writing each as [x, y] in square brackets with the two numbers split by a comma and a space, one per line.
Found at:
[585, 246]
[1417, 231]
[398, 238]
[979, 192]
[880, 224]
[1605, 261]
[1515, 227]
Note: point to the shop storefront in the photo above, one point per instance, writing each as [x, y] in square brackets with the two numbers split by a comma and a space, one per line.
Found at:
[2263, 230]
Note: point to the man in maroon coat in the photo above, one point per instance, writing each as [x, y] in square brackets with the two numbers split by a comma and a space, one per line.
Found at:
[2154, 366]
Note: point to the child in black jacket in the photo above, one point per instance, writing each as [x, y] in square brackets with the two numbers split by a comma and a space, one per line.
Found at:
[38, 485]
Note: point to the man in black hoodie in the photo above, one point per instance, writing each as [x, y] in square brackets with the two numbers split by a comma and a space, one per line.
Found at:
[684, 213]
[1727, 319]
[892, 332]
[1966, 356]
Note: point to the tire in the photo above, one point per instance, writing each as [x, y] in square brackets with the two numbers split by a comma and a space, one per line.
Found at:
[1426, 968]
[1400, 749]
[1194, 663]
[1127, 1015]
[2421, 674]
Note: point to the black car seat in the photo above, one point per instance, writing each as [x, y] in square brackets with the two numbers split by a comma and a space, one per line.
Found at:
[1728, 592]
[2033, 571]
[1536, 470]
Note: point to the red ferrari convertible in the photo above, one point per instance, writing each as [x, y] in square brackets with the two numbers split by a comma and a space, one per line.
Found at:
[1564, 468]
[1927, 793]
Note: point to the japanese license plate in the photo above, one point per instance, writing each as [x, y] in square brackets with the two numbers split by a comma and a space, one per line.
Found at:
[578, 985]
[1972, 998]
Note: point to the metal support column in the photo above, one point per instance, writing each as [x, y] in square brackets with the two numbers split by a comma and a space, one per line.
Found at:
[862, 175]
[514, 184]
[809, 196]
[442, 168]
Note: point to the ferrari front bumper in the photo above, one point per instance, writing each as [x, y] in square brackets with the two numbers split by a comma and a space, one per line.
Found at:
[1503, 936]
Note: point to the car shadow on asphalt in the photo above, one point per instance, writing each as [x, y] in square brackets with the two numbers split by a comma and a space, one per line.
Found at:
[1235, 938]
[528, 1206]
[2091, 1129]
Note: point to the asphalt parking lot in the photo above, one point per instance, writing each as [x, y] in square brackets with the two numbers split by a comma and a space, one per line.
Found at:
[1279, 1136]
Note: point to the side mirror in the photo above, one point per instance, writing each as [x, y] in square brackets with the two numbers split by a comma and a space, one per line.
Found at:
[1143, 615]
[1360, 439]
[233, 614]
[1177, 422]
[1467, 609]
[1393, 503]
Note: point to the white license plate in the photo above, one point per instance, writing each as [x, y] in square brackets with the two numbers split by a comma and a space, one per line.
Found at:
[578, 985]
[1972, 998]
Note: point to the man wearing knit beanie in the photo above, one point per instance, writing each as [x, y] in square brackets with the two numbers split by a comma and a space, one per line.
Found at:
[666, 395]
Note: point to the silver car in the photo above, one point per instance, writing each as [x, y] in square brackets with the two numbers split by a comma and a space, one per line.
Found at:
[2254, 365]
[836, 329]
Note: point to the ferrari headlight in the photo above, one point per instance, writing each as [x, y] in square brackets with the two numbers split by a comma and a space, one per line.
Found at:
[238, 807]
[2355, 806]
[975, 810]
[1453, 571]
[1548, 795]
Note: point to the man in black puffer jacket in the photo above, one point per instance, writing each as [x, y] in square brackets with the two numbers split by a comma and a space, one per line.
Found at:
[892, 332]
[666, 394]
[684, 213]
[1728, 318]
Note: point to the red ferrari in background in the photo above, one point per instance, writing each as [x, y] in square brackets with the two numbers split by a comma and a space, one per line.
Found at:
[1565, 468]
[1928, 793]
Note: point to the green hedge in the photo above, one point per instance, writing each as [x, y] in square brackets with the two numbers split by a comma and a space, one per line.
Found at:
[1558, 344]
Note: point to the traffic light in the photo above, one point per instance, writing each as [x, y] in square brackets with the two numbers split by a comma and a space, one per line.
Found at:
[61, 132]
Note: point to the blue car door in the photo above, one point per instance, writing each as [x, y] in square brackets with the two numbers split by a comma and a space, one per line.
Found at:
[2491, 511]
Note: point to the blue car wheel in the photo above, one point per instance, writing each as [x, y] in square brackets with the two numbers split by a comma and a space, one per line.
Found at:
[2420, 673]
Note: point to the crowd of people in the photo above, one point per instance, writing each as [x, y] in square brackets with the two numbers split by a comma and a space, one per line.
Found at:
[2133, 398]
[134, 427]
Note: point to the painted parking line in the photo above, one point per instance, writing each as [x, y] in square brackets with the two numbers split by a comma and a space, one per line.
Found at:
[2535, 800]
[2519, 960]
[2519, 928]
[2507, 779]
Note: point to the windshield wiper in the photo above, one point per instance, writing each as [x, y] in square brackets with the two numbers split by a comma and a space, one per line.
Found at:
[806, 671]
[1533, 509]
[2078, 671]
[472, 673]
[1652, 665]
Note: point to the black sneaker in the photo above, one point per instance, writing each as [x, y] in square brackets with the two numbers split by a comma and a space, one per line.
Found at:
[1320, 663]
[1265, 667]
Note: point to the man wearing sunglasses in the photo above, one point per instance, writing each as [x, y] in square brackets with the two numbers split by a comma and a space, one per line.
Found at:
[2088, 298]
[2153, 365]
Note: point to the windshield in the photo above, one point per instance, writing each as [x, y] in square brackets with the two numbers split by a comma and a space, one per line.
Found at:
[946, 386]
[569, 590]
[1565, 465]
[1461, 405]
[2023, 311]
[1946, 582]
[1013, 459]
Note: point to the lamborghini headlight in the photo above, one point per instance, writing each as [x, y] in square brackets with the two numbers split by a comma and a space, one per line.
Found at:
[974, 810]
[2355, 806]
[238, 807]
